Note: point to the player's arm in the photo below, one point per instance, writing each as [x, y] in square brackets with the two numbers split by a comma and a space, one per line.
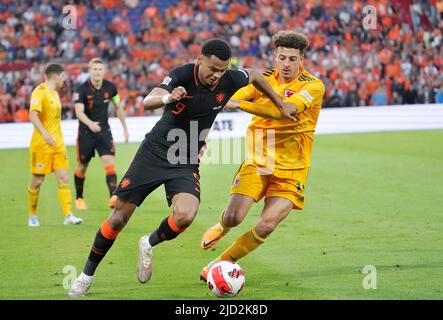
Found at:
[268, 111]
[261, 84]
[79, 98]
[294, 105]
[159, 97]
[118, 106]
[33, 116]
[169, 91]
[80, 113]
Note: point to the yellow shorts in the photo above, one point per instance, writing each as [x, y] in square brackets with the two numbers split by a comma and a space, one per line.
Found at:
[282, 183]
[45, 163]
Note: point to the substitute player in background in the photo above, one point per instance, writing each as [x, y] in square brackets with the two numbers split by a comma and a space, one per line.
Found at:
[91, 100]
[279, 174]
[47, 149]
[194, 94]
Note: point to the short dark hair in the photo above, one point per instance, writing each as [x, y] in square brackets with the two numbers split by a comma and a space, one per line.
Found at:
[218, 48]
[53, 68]
[290, 39]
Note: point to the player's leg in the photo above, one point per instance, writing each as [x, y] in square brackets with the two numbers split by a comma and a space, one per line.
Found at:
[60, 166]
[33, 193]
[65, 196]
[248, 186]
[111, 177]
[104, 239]
[284, 193]
[235, 212]
[275, 210]
[183, 195]
[106, 150]
[40, 165]
[79, 179]
[85, 148]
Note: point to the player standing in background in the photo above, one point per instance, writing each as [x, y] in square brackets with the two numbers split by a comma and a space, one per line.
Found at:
[91, 100]
[194, 94]
[47, 149]
[282, 181]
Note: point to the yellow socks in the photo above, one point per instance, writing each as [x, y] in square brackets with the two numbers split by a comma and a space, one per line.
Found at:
[32, 201]
[245, 244]
[64, 197]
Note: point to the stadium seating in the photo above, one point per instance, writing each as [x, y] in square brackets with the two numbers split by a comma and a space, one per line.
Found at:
[399, 62]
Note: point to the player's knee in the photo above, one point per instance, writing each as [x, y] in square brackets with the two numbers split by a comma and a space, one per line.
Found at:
[37, 181]
[265, 227]
[184, 215]
[117, 221]
[233, 217]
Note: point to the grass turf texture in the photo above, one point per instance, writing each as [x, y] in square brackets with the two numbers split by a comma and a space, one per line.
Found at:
[373, 199]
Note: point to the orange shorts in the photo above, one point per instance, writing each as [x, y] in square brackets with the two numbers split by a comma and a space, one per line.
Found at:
[282, 183]
[45, 163]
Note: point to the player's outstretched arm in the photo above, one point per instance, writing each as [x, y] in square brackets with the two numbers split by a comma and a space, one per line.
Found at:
[159, 97]
[261, 84]
[268, 111]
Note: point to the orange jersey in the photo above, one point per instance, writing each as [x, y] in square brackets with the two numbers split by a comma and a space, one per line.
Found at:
[287, 143]
[47, 103]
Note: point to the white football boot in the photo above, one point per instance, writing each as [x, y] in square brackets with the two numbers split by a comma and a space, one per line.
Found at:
[71, 219]
[144, 265]
[80, 286]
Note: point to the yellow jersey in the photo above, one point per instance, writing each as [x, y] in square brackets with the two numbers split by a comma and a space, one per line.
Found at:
[47, 103]
[287, 143]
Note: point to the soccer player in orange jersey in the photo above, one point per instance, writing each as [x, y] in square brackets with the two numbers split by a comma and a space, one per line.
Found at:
[47, 149]
[279, 172]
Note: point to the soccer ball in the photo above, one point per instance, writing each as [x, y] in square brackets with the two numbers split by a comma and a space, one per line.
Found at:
[226, 279]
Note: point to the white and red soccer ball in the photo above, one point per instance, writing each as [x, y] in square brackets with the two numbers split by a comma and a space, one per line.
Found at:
[226, 279]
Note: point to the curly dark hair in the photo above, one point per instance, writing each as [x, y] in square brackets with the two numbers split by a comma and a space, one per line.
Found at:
[218, 48]
[290, 39]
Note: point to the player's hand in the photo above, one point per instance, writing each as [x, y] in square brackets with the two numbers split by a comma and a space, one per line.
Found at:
[289, 111]
[49, 140]
[232, 104]
[126, 135]
[177, 94]
[95, 127]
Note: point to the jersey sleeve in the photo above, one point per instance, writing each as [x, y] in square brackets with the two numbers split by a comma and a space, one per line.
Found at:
[176, 77]
[245, 93]
[114, 91]
[311, 93]
[240, 78]
[79, 95]
[36, 100]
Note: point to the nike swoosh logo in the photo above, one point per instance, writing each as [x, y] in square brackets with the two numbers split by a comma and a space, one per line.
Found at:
[206, 244]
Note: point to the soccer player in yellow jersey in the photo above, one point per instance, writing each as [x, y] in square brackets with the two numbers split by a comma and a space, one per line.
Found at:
[47, 149]
[279, 172]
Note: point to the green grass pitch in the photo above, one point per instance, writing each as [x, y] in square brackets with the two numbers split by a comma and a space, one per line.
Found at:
[373, 199]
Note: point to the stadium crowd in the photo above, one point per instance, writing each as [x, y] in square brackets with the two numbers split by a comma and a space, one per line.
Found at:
[398, 62]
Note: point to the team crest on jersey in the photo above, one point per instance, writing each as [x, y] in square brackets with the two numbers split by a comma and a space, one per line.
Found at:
[219, 97]
[125, 182]
[287, 93]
